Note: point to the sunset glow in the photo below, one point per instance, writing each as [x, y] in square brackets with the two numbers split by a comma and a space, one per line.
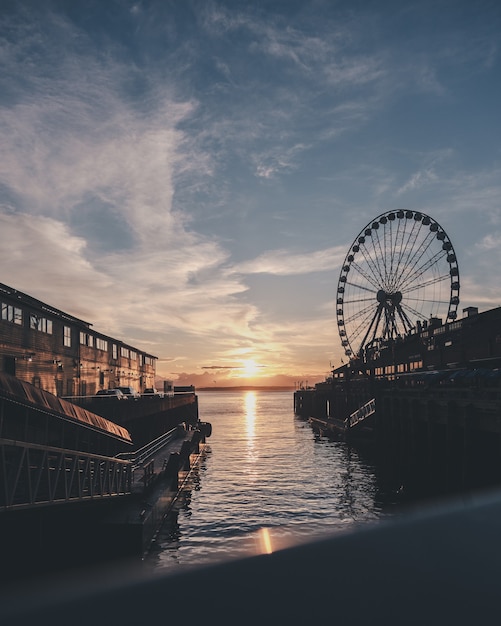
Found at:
[250, 368]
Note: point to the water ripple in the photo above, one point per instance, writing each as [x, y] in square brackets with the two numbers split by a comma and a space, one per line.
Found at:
[267, 480]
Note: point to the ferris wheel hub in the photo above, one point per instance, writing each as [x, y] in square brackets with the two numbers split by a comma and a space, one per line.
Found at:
[392, 299]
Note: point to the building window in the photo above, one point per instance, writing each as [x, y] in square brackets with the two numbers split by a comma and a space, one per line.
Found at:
[67, 336]
[133, 355]
[41, 324]
[114, 351]
[101, 344]
[12, 314]
[124, 352]
[86, 340]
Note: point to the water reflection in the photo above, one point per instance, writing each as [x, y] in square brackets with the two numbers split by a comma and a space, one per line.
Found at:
[265, 546]
[250, 414]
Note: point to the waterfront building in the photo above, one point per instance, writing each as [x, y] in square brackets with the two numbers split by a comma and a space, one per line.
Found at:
[472, 342]
[62, 354]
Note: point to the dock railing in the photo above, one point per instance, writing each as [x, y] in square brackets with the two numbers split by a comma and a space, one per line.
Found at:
[34, 475]
[138, 457]
[369, 408]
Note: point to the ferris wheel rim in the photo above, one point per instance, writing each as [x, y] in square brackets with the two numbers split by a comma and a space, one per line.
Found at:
[383, 280]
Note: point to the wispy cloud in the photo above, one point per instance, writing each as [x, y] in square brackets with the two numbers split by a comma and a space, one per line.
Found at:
[287, 263]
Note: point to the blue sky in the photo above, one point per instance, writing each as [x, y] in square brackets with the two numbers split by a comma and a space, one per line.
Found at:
[189, 176]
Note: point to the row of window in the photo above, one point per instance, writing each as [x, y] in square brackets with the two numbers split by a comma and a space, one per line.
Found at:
[89, 340]
[11, 313]
[128, 354]
[40, 323]
[14, 314]
[400, 368]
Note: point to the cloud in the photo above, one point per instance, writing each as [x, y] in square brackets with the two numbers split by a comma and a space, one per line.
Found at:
[491, 242]
[88, 173]
[278, 161]
[287, 263]
[428, 173]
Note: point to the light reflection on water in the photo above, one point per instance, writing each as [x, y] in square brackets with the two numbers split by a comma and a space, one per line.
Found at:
[266, 482]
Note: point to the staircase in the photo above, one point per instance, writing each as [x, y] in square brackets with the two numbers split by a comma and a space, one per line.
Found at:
[369, 408]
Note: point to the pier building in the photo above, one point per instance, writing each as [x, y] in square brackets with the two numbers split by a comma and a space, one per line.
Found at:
[64, 355]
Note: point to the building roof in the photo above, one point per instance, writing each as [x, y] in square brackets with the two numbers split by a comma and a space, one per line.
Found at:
[24, 298]
[27, 394]
[27, 300]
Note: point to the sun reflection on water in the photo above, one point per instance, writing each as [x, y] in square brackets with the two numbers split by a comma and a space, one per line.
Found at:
[250, 414]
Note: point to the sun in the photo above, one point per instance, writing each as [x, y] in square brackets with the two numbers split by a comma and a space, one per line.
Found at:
[249, 368]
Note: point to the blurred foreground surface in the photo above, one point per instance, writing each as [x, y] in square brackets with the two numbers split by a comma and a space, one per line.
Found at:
[441, 565]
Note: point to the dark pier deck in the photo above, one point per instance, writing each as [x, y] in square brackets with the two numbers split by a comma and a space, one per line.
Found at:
[159, 471]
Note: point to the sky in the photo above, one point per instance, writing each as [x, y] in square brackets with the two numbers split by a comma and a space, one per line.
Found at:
[188, 176]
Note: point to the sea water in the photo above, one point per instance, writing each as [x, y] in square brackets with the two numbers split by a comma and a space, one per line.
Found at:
[266, 481]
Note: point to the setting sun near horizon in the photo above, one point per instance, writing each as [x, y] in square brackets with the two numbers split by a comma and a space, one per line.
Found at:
[249, 368]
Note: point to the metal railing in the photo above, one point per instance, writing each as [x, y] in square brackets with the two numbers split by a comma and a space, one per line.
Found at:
[138, 457]
[369, 408]
[35, 475]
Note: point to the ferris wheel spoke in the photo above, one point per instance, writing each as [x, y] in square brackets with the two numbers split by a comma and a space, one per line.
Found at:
[379, 257]
[427, 283]
[414, 266]
[361, 326]
[370, 279]
[352, 301]
[398, 246]
[368, 258]
[360, 315]
[413, 311]
[411, 248]
[403, 252]
[361, 287]
[419, 271]
[428, 300]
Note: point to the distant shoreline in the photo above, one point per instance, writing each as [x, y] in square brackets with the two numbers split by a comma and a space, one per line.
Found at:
[247, 388]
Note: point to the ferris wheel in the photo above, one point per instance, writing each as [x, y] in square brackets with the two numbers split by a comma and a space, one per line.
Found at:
[400, 271]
